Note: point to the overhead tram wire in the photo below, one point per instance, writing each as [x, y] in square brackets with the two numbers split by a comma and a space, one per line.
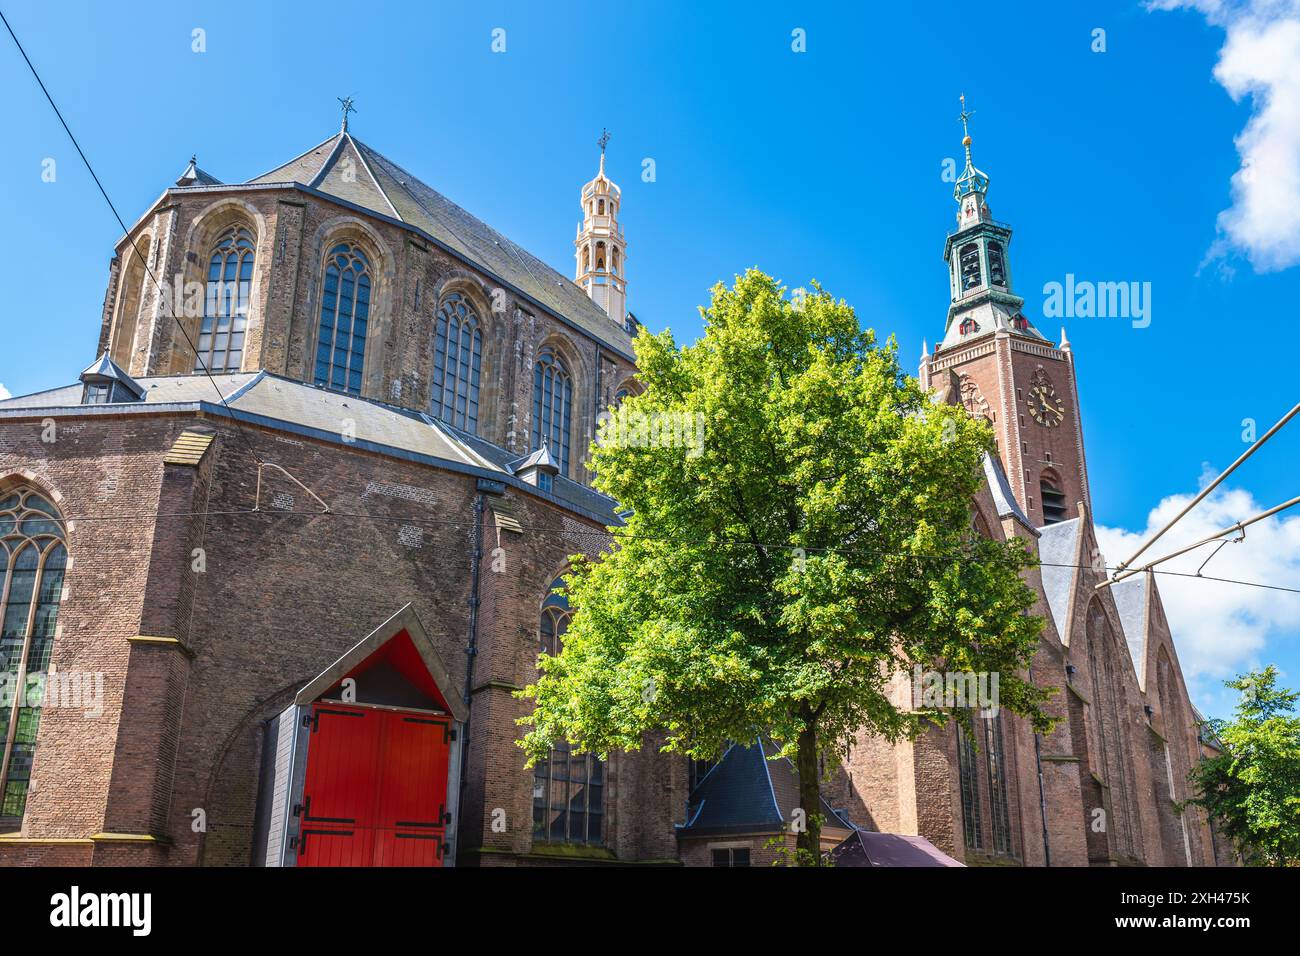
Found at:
[1204, 493]
[134, 246]
[418, 521]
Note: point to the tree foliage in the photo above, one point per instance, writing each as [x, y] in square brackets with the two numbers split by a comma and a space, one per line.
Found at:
[1251, 790]
[780, 576]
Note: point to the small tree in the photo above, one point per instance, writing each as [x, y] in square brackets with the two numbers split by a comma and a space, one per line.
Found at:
[1252, 789]
[800, 534]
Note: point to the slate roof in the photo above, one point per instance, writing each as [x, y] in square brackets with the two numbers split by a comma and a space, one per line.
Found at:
[295, 406]
[1003, 498]
[1130, 596]
[344, 167]
[868, 848]
[1058, 546]
[748, 793]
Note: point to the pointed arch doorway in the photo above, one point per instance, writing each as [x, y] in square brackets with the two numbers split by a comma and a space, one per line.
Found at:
[363, 768]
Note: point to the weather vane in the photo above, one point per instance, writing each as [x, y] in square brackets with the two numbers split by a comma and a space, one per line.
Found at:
[347, 108]
[603, 141]
[965, 116]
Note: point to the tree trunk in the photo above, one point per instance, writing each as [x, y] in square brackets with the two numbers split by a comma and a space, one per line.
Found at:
[808, 844]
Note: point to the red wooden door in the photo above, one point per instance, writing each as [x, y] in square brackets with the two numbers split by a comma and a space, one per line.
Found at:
[376, 788]
[336, 846]
[413, 790]
[342, 760]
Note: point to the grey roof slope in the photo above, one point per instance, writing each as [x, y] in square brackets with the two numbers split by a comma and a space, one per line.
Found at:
[159, 389]
[307, 409]
[1130, 597]
[748, 793]
[1058, 546]
[868, 848]
[1003, 498]
[380, 185]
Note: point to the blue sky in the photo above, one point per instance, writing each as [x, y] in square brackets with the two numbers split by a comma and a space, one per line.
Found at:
[1112, 166]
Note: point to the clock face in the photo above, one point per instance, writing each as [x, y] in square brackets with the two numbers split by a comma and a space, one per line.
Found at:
[1046, 408]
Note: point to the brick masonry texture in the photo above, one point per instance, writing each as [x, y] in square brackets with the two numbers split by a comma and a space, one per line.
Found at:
[195, 661]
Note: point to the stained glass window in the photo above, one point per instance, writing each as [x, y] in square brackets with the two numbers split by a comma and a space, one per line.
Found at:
[998, 808]
[344, 318]
[32, 562]
[552, 407]
[568, 787]
[225, 302]
[972, 821]
[457, 363]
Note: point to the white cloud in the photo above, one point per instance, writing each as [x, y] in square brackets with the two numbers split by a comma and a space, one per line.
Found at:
[1221, 629]
[4, 392]
[1260, 59]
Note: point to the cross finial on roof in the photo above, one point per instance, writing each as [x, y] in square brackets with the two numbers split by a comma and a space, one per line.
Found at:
[347, 108]
[603, 141]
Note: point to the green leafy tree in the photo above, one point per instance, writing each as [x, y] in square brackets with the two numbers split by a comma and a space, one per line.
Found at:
[1252, 789]
[779, 575]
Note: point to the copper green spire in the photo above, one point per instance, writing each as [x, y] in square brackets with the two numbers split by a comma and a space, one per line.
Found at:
[971, 179]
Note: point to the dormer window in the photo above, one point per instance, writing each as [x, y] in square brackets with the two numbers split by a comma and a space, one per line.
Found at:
[106, 383]
[968, 327]
[1020, 323]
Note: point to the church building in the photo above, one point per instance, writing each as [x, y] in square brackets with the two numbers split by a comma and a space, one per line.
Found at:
[273, 567]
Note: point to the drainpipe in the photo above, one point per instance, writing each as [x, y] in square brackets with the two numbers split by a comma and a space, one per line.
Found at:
[484, 487]
[1042, 792]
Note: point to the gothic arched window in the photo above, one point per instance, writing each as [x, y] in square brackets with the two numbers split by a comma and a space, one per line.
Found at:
[1106, 720]
[970, 267]
[32, 562]
[344, 318]
[971, 818]
[225, 302]
[128, 308]
[552, 406]
[997, 265]
[457, 363]
[568, 788]
[995, 755]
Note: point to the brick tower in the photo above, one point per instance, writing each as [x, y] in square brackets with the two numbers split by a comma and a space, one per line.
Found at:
[1001, 366]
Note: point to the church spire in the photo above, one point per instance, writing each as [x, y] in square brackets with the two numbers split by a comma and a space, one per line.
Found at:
[601, 249]
[971, 179]
[972, 185]
[979, 265]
